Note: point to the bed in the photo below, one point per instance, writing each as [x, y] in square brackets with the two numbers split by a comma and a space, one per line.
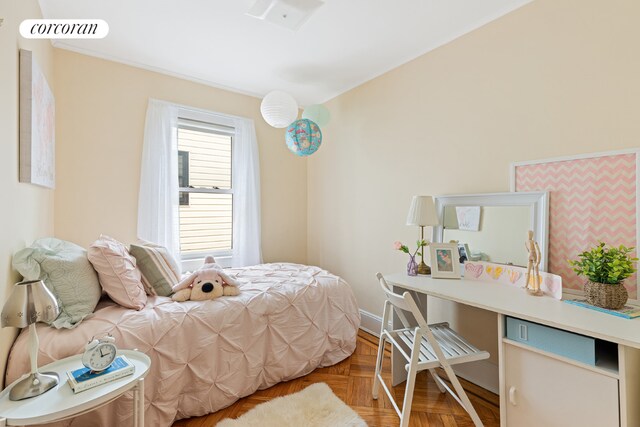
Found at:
[288, 320]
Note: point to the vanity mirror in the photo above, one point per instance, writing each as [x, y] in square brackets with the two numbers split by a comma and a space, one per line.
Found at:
[494, 225]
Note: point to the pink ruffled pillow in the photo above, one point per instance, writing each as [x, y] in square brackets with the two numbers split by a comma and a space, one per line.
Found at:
[117, 272]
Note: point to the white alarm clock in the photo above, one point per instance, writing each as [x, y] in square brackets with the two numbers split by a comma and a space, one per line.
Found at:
[99, 354]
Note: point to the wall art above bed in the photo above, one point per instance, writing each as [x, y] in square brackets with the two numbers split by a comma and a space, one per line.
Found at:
[37, 124]
[592, 198]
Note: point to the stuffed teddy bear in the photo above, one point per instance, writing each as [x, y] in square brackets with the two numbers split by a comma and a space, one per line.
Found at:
[208, 282]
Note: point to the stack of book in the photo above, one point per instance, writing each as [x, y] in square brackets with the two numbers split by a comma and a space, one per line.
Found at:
[84, 378]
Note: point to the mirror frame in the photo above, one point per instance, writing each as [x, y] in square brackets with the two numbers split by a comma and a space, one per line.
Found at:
[538, 201]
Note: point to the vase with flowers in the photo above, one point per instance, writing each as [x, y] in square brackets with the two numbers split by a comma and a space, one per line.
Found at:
[412, 266]
[605, 269]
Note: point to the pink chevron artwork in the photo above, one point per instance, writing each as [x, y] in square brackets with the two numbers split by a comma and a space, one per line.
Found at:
[590, 199]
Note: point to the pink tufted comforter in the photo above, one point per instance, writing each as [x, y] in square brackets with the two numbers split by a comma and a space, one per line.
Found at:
[288, 320]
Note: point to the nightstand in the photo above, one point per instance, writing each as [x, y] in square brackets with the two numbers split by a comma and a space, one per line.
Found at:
[60, 402]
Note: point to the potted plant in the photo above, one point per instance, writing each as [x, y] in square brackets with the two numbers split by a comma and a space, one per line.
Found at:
[605, 268]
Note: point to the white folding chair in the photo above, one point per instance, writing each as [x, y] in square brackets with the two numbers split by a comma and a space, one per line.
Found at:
[424, 347]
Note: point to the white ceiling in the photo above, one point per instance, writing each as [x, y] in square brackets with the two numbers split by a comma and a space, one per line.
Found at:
[344, 44]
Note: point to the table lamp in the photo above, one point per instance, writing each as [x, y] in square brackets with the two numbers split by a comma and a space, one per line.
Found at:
[422, 212]
[31, 302]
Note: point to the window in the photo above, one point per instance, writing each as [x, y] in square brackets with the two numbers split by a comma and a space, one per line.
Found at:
[206, 188]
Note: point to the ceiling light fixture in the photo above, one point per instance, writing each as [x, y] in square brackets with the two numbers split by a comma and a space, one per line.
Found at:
[289, 14]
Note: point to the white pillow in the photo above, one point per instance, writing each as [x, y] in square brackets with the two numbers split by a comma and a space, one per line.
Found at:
[65, 269]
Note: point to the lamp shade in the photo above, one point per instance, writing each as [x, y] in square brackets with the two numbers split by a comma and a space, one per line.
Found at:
[303, 137]
[317, 113]
[29, 302]
[422, 211]
[279, 109]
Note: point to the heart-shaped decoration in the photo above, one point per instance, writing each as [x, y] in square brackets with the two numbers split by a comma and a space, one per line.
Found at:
[551, 284]
[495, 272]
[514, 276]
[474, 270]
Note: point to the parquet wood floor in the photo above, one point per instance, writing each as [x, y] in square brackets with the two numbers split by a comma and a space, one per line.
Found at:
[352, 379]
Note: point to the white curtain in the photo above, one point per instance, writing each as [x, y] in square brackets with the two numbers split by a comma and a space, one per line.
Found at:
[158, 208]
[158, 216]
[246, 204]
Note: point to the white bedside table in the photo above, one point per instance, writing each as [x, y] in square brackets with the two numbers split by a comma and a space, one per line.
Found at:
[60, 402]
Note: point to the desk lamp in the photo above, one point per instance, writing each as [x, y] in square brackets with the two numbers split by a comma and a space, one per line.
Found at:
[422, 213]
[31, 302]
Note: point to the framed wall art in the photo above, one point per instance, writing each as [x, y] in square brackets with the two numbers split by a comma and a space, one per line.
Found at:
[592, 198]
[37, 124]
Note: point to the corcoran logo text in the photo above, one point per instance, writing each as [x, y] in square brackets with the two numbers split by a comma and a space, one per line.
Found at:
[64, 29]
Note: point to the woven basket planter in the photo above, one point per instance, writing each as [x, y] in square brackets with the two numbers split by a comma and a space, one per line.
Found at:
[602, 295]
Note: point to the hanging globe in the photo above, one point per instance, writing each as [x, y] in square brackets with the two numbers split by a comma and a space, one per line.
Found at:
[279, 109]
[303, 137]
[317, 113]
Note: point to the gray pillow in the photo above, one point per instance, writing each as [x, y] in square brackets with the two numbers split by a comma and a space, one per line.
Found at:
[65, 269]
[160, 272]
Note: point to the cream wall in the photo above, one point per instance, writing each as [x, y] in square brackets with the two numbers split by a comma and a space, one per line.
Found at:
[553, 78]
[100, 125]
[27, 210]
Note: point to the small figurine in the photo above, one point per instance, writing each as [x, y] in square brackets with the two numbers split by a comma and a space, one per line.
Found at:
[533, 286]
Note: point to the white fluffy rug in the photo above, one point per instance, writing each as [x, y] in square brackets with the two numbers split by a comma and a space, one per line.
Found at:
[315, 406]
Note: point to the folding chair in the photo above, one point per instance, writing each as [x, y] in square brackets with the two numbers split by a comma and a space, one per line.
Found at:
[424, 347]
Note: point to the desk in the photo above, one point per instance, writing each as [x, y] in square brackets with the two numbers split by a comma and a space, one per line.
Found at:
[514, 302]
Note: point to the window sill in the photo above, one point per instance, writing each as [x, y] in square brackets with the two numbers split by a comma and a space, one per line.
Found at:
[192, 264]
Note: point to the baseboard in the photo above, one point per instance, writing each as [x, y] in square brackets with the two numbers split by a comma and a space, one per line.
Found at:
[482, 373]
[370, 323]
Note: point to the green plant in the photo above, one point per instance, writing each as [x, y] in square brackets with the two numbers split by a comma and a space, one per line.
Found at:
[604, 264]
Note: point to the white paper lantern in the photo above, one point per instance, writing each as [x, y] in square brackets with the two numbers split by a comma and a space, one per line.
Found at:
[279, 109]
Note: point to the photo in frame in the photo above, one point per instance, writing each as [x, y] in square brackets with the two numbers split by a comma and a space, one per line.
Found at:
[445, 261]
[465, 253]
[37, 124]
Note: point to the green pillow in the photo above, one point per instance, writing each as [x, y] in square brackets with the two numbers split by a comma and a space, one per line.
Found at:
[65, 269]
[160, 272]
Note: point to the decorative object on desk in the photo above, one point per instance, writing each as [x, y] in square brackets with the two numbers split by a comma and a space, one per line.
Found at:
[99, 354]
[412, 266]
[31, 302]
[532, 282]
[444, 261]
[594, 198]
[85, 378]
[513, 275]
[422, 213]
[279, 109]
[37, 125]
[317, 113]
[605, 268]
[465, 253]
[303, 137]
[468, 217]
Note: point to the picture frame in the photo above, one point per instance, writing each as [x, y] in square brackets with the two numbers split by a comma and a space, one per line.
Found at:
[445, 261]
[465, 253]
[37, 124]
[572, 180]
